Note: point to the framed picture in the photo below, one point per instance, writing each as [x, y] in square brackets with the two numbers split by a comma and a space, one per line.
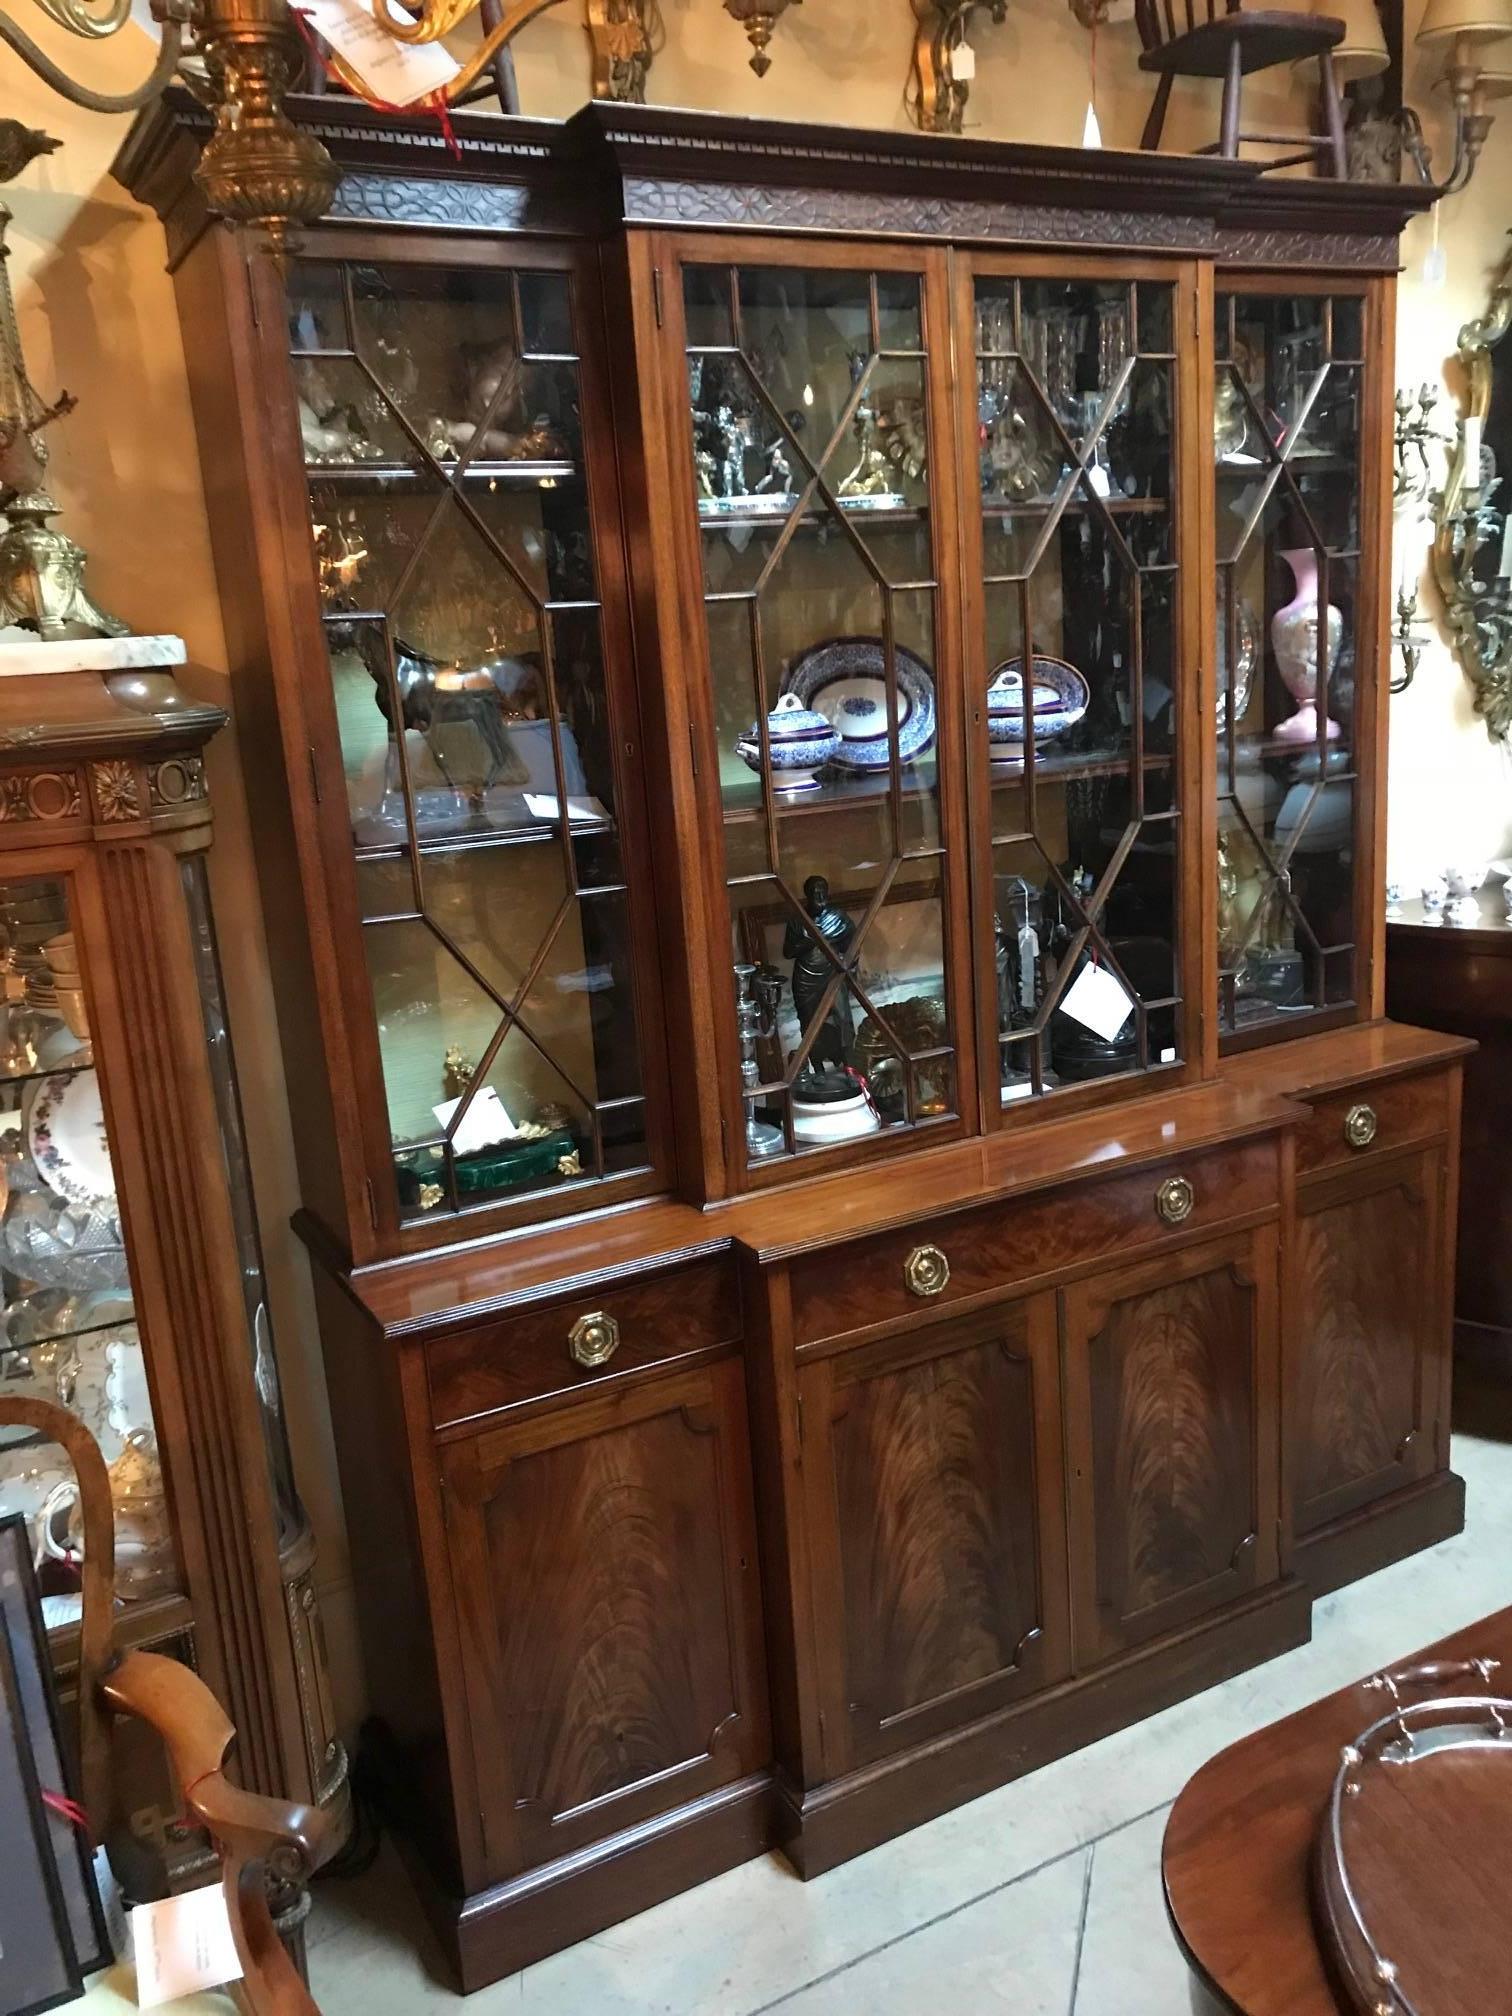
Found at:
[38, 1965]
[21, 1623]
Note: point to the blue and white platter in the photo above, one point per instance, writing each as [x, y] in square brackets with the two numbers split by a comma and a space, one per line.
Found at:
[845, 680]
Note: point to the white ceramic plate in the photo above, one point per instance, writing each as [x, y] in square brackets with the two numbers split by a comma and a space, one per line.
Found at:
[65, 1131]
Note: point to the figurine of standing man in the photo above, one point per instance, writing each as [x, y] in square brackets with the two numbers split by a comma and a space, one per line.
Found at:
[813, 970]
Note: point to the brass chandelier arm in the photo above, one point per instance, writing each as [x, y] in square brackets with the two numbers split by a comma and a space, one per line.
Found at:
[439, 17]
[76, 16]
[170, 49]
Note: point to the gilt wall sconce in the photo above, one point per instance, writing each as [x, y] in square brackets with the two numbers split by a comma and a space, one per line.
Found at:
[944, 62]
[1369, 62]
[624, 35]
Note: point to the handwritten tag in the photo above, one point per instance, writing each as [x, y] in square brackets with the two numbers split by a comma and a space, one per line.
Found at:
[183, 1944]
[1098, 1001]
[394, 73]
[484, 1124]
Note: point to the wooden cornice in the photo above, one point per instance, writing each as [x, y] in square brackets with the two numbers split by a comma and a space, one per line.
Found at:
[614, 165]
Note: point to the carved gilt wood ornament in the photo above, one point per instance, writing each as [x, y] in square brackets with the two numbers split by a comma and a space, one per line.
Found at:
[624, 34]
[759, 18]
[1472, 548]
[943, 64]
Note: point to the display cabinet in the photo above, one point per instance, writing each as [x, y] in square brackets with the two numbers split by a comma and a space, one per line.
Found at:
[856, 1167]
[131, 1285]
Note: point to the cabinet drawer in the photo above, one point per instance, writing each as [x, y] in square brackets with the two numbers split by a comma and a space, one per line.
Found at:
[856, 1286]
[653, 1322]
[1373, 1118]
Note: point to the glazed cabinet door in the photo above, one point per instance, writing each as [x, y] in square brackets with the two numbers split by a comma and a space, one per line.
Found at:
[1370, 1333]
[1172, 1397]
[810, 475]
[604, 1570]
[1082, 465]
[472, 733]
[1302, 438]
[932, 1468]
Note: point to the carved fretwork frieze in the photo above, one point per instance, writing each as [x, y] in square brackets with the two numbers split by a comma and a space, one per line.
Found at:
[439, 203]
[46, 795]
[1372, 252]
[660, 200]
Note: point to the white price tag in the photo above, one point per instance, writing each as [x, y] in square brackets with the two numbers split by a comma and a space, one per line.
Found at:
[181, 1945]
[395, 73]
[580, 811]
[484, 1124]
[1099, 1001]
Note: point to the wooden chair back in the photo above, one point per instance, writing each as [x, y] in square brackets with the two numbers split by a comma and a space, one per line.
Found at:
[256, 1837]
[1162, 22]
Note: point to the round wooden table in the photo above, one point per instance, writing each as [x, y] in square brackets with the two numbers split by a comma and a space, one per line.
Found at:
[1238, 1850]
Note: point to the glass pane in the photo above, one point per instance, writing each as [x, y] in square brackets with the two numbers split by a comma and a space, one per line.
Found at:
[67, 1324]
[454, 540]
[811, 434]
[1076, 401]
[1288, 472]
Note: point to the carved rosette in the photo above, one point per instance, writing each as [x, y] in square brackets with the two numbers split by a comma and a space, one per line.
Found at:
[116, 787]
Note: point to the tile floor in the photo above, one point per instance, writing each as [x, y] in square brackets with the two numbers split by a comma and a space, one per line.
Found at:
[1042, 1899]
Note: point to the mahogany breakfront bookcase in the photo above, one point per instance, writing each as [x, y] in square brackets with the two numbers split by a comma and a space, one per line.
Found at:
[870, 1225]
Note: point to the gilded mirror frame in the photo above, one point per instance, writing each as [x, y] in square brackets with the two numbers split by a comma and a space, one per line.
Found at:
[1480, 619]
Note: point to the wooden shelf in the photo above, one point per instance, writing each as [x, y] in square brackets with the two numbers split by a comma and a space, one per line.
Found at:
[1329, 464]
[389, 476]
[505, 836]
[1078, 506]
[742, 803]
[814, 515]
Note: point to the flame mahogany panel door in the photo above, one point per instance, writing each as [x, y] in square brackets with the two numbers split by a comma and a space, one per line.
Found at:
[1368, 1332]
[1172, 1399]
[932, 1464]
[604, 1568]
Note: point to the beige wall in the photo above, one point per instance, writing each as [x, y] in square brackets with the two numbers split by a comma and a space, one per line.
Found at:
[98, 316]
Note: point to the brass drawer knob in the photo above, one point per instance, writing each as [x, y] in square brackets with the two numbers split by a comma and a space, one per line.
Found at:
[593, 1339]
[1174, 1200]
[926, 1271]
[1360, 1124]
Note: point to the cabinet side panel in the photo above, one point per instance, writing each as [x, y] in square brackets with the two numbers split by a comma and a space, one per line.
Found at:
[224, 368]
[394, 1599]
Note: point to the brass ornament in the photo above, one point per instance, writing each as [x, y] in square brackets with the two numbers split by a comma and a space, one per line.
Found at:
[926, 1271]
[937, 95]
[41, 568]
[1466, 522]
[758, 18]
[593, 1340]
[257, 168]
[1360, 1126]
[1174, 1200]
[623, 34]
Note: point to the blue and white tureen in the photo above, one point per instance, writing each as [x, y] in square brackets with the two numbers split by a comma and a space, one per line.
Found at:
[799, 741]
